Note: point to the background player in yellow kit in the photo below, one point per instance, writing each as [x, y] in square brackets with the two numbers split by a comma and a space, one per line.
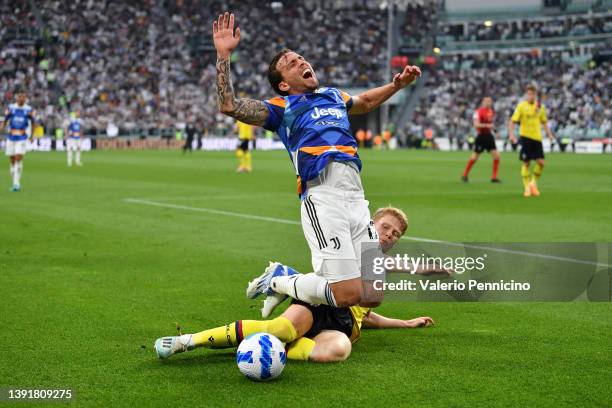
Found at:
[531, 115]
[245, 135]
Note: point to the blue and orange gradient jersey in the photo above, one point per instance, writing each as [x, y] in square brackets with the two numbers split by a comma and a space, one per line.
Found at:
[315, 129]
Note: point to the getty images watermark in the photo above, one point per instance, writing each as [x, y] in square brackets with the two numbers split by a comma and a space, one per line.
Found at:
[426, 265]
[488, 271]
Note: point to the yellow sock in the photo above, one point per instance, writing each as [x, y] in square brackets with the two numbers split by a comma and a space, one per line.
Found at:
[525, 175]
[240, 156]
[537, 172]
[232, 334]
[301, 349]
[247, 160]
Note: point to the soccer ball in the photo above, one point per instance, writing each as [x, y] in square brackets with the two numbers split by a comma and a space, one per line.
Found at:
[261, 357]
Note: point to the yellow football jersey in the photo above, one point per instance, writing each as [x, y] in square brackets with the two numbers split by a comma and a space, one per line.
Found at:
[358, 313]
[531, 116]
[245, 131]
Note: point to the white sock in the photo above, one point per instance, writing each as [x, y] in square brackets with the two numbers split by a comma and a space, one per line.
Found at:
[19, 170]
[70, 157]
[309, 288]
[13, 168]
[78, 157]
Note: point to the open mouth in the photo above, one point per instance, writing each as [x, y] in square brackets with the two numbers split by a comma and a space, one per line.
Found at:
[307, 74]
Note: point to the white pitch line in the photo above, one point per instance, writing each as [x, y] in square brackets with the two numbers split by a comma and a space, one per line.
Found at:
[292, 222]
[212, 211]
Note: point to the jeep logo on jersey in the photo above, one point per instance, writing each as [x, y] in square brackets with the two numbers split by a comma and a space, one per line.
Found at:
[327, 112]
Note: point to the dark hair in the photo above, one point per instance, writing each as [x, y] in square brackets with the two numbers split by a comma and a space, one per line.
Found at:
[274, 76]
[532, 87]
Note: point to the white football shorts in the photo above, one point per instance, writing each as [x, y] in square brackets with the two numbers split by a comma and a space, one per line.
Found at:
[15, 147]
[73, 144]
[336, 220]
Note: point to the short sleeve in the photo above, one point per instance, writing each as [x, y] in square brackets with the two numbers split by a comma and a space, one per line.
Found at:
[476, 116]
[348, 99]
[516, 116]
[276, 107]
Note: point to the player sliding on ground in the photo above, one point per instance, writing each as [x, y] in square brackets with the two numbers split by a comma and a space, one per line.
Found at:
[531, 115]
[484, 123]
[312, 123]
[318, 333]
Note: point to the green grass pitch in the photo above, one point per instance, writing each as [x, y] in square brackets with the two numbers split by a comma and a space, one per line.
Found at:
[89, 280]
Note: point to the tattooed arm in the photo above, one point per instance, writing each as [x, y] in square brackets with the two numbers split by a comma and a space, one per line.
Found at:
[245, 110]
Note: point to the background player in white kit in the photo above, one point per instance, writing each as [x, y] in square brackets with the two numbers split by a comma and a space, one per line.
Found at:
[18, 122]
[313, 125]
[73, 139]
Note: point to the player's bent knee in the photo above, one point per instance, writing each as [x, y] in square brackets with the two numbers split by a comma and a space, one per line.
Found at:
[339, 349]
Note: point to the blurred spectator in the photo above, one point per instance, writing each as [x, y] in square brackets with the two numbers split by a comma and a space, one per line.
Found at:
[150, 64]
[537, 27]
[573, 94]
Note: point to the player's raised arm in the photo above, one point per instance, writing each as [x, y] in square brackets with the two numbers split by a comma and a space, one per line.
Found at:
[376, 321]
[246, 110]
[373, 98]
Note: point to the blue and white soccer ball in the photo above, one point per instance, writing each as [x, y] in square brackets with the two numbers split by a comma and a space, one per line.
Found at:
[261, 357]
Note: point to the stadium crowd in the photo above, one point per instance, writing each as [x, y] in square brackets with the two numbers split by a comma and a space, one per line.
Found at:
[145, 65]
[421, 16]
[516, 29]
[149, 65]
[577, 98]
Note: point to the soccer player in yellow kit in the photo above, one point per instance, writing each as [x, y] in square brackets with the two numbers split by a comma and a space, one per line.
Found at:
[245, 134]
[531, 115]
[320, 333]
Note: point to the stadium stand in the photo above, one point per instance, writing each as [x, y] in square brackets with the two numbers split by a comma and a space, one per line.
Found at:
[499, 55]
[577, 97]
[146, 68]
[149, 66]
[530, 28]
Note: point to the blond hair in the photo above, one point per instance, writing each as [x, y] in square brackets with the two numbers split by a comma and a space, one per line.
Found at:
[395, 212]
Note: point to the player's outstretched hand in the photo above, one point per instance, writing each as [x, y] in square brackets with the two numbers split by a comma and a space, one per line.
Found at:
[408, 76]
[420, 322]
[224, 37]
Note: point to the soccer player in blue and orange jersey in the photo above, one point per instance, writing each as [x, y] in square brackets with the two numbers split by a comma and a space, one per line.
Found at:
[484, 122]
[73, 142]
[312, 123]
[18, 117]
[531, 115]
